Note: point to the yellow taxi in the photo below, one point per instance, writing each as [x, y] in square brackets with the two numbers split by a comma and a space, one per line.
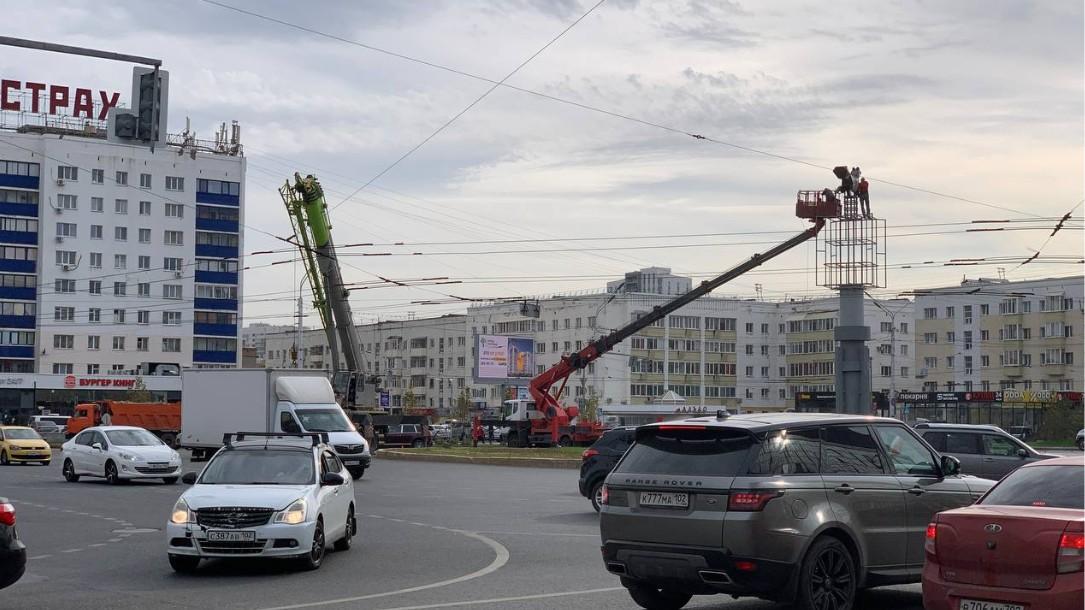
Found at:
[22, 444]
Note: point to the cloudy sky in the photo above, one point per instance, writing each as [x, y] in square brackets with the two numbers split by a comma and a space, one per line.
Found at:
[976, 105]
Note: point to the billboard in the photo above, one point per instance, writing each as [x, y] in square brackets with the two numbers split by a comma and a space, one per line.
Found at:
[501, 358]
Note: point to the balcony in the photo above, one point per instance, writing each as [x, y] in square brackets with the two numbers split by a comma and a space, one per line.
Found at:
[214, 198]
[16, 351]
[214, 356]
[18, 294]
[19, 182]
[18, 321]
[209, 224]
[19, 209]
[18, 266]
[210, 251]
[216, 304]
[214, 330]
[19, 237]
[217, 277]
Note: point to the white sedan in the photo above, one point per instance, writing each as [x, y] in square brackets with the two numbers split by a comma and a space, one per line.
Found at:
[120, 453]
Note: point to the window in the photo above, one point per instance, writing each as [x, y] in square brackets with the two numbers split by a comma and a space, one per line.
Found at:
[117, 369]
[93, 369]
[97, 176]
[122, 178]
[120, 261]
[904, 349]
[145, 182]
[175, 210]
[144, 208]
[1000, 446]
[764, 350]
[950, 363]
[118, 316]
[749, 371]
[904, 327]
[850, 450]
[120, 206]
[144, 236]
[886, 371]
[95, 287]
[171, 318]
[174, 238]
[749, 328]
[62, 368]
[63, 314]
[218, 187]
[206, 291]
[144, 262]
[142, 344]
[65, 229]
[67, 202]
[930, 313]
[171, 344]
[764, 329]
[64, 286]
[985, 361]
[903, 371]
[765, 371]
[172, 264]
[64, 257]
[97, 204]
[95, 260]
[171, 291]
[96, 231]
[985, 335]
[175, 183]
[94, 342]
[120, 233]
[67, 172]
[143, 289]
[907, 455]
[94, 314]
[118, 344]
[985, 309]
[930, 337]
[749, 350]
[143, 317]
[967, 314]
[951, 337]
[230, 266]
[951, 312]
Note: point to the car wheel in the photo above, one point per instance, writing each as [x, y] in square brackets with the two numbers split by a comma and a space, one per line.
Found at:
[1081, 445]
[565, 441]
[827, 577]
[315, 556]
[654, 598]
[169, 480]
[418, 443]
[344, 543]
[597, 495]
[69, 472]
[184, 564]
[4, 461]
[111, 475]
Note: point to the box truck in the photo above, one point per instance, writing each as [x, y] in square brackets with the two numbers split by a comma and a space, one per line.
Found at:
[218, 401]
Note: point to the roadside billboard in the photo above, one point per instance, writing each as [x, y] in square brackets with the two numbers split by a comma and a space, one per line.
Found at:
[501, 358]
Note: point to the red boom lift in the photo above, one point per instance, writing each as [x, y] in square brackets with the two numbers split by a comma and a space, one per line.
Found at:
[551, 423]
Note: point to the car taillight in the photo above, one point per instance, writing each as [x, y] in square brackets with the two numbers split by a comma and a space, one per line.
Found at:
[750, 500]
[1071, 554]
[589, 452]
[930, 545]
[7, 514]
[604, 496]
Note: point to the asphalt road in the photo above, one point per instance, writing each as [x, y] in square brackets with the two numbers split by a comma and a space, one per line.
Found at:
[431, 536]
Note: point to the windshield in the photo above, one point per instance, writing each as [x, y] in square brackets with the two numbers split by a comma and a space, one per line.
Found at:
[21, 433]
[688, 453]
[132, 438]
[323, 420]
[260, 467]
[1050, 486]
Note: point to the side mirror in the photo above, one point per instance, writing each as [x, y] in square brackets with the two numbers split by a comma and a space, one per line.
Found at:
[1022, 453]
[950, 466]
[332, 478]
[97, 446]
[189, 478]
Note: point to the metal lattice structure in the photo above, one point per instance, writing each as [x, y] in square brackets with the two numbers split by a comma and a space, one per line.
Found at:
[851, 249]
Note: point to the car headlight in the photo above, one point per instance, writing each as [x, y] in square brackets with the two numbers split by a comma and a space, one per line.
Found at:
[294, 514]
[128, 456]
[182, 514]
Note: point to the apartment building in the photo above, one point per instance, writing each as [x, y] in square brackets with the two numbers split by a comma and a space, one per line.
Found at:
[993, 334]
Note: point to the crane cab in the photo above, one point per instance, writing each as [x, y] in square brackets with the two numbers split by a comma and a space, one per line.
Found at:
[813, 205]
[519, 410]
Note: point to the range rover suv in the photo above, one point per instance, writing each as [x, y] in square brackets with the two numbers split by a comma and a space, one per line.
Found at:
[794, 507]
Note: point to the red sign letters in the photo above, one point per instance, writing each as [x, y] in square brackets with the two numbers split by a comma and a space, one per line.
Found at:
[81, 102]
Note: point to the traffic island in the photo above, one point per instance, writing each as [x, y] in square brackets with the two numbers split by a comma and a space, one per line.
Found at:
[557, 457]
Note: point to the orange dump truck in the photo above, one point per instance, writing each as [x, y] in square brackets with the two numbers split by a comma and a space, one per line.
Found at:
[161, 418]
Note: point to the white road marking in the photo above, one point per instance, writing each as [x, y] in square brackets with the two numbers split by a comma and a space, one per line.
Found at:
[97, 544]
[502, 600]
[541, 534]
[71, 551]
[501, 557]
[36, 557]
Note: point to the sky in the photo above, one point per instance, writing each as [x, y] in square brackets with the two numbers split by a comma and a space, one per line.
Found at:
[958, 111]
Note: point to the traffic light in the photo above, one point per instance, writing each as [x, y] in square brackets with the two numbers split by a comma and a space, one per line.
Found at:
[147, 124]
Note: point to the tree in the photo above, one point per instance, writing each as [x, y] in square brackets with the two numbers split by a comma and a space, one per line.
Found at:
[463, 405]
[410, 401]
[591, 407]
[139, 392]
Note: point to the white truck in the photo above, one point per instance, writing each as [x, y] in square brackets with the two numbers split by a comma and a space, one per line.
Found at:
[219, 401]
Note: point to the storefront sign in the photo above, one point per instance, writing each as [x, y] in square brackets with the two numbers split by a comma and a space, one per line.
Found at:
[50, 99]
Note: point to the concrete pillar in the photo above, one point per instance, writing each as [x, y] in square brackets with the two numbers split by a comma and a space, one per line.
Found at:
[853, 389]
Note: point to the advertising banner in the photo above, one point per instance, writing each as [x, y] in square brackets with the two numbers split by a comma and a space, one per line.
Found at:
[501, 358]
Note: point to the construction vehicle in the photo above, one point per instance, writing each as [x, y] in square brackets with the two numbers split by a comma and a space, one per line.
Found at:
[163, 419]
[544, 421]
[308, 212]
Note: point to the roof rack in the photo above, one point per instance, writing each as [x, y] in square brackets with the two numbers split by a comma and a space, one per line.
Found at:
[317, 437]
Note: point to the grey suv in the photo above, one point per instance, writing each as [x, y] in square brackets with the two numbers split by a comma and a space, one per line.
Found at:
[985, 451]
[794, 507]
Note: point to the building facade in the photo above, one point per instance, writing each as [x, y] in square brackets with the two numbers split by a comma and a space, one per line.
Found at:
[989, 334]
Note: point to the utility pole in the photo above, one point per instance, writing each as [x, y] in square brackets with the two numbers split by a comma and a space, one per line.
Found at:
[297, 335]
[892, 352]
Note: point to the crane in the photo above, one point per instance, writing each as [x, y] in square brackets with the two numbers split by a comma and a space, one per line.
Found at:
[308, 213]
[545, 421]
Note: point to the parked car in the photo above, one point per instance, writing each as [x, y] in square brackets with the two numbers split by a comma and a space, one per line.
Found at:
[441, 432]
[119, 453]
[1079, 440]
[49, 424]
[598, 460]
[407, 435]
[266, 495]
[1022, 545]
[20, 444]
[12, 550]
[794, 507]
[985, 451]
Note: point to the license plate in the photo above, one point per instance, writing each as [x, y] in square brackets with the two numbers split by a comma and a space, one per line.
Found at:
[215, 536]
[973, 604]
[664, 499]
[351, 462]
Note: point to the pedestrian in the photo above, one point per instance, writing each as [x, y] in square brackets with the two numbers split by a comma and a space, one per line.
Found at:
[491, 431]
[107, 416]
[476, 434]
[864, 197]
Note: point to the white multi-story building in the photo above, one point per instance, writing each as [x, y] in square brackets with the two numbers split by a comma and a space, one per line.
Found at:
[116, 253]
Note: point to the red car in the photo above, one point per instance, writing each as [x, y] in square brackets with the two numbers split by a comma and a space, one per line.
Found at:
[1020, 547]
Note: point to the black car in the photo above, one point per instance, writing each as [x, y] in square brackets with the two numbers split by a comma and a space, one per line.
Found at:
[12, 550]
[599, 460]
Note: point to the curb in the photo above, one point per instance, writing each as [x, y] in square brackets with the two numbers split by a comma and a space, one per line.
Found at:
[525, 462]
